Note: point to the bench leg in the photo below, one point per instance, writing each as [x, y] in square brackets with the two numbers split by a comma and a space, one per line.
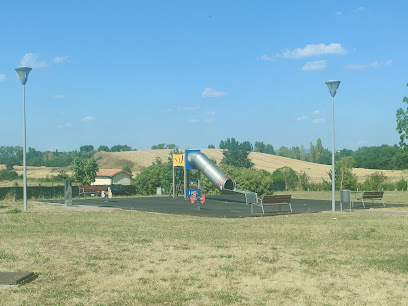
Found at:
[363, 203]
[290, 206]
[263, 211]
[383, 202]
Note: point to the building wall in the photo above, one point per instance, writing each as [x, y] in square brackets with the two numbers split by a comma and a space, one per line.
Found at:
[122, 179]
[102, 180]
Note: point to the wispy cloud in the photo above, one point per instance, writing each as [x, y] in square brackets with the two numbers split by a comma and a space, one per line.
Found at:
[2, 77]
[316, 65]
[375, 64]
[66, 125]
[88, 118]
[58, 96]
[316, 112]
[319, 120]
[339, 13]
[60, 59]
[313, 50]
[209, 121]
[32, 60]
[167, 110]
[212, 93]
[211, 113]
[302, 118]
[359, 9]
[193, 120]
[266, 58]
[189, 108]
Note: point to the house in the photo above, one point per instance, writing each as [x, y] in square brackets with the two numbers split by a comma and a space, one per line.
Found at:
[112, 177]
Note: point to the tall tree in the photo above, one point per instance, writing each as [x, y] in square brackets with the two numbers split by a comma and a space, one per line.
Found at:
[402, 125]
[311, 153]
[319, 149]
[302, 153]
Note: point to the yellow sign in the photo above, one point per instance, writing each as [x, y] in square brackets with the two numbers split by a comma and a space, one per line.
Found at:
[178, 160]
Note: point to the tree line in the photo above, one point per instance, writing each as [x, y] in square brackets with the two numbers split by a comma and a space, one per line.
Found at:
[13, 155]
[383, 157]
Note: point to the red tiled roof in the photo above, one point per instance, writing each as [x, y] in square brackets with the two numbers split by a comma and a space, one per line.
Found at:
[110, 172]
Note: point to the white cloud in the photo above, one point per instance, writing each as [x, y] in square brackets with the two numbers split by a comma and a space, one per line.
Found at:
[209, 121]
[193, 120]
[302, 118]
[88, 118]
[319, 120]
[60, 59]
[314, 50]
[316, 112]
[189, 108]
[167, 110]
[212, 93]
[31, 60]
[266, 58]
[339, 13]
[359, 9]
[66, 125]
[375, 64]
[58, 96]
[316, 65]
[2, 77]
[211, 113]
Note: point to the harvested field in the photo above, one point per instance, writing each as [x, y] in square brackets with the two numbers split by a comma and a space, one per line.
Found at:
[142, 159]
[139, 160]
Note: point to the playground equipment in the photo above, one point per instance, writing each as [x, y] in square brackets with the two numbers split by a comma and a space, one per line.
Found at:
[210, 170]
[194, 159]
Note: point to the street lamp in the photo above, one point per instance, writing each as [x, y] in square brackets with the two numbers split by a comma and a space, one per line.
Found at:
[22, 73]
[333, 85]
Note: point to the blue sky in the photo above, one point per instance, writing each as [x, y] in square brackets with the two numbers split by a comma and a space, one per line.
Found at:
[197, 72]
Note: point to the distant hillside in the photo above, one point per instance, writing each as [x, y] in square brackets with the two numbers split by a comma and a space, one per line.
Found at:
[140, 160]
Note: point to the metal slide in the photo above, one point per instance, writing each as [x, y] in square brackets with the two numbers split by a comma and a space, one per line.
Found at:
[217, 177]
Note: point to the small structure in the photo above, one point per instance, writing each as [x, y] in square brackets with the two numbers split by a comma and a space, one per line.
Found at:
[112, 177]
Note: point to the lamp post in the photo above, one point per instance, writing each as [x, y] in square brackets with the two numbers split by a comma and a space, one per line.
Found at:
[22, 73]
[333, 85]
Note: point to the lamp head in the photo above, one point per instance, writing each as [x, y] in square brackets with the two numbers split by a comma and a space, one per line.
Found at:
[23, 72]
[333, 85]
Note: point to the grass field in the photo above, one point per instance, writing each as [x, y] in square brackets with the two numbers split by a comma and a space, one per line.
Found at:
[115, 257]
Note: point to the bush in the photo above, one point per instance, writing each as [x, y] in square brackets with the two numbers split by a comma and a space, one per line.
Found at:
[402, 185]
[8, 175]
[374, 181]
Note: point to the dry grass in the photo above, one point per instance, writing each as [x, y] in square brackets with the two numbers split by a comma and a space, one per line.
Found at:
[136, 258]
[143, 159]
[140, 160]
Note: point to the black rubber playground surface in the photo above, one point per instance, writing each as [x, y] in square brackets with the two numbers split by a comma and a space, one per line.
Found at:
[222, 206]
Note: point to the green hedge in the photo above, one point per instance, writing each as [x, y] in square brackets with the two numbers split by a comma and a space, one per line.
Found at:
[36, 192]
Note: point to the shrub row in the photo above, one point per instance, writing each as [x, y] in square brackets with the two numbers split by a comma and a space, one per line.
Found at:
[36, 192]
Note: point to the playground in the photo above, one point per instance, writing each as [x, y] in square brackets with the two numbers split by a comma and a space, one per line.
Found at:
[216, 206]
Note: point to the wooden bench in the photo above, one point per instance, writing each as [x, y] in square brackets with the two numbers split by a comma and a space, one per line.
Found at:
[95, 189]
[369, 196]
[269, 200]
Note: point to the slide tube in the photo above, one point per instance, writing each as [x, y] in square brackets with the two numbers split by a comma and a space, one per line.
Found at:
[210, 170]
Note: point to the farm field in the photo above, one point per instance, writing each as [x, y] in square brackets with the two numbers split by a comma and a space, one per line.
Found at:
[116, 257]
[143, 159]
[140, 160]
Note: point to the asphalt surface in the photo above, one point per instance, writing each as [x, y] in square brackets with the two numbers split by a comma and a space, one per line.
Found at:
[221, 206]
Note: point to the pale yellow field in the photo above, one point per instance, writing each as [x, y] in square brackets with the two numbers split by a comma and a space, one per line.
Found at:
[140, 160]
[143, 159]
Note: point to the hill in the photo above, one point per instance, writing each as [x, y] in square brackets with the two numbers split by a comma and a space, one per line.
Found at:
[139, 160]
